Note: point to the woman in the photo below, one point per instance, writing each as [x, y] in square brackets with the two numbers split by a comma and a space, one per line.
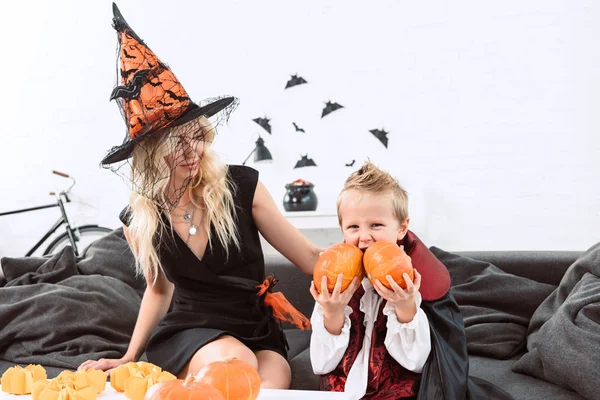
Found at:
[192, 224]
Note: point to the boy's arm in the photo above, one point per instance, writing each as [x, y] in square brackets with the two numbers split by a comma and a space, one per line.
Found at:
[326, 349]
[408, 343]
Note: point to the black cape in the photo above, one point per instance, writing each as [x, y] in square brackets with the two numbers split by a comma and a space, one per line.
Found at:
[446, 372]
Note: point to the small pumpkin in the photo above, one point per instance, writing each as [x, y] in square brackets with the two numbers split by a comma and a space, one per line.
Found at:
[19, 380]
[54, 390]
[234, 378]
[135, 378]
[136, 386]
[342, 258]
[386, 258]
[179, 389]
[80, 384]
[91, 377]
[119, 375]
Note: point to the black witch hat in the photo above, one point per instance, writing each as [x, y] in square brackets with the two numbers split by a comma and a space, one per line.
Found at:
[149, 95]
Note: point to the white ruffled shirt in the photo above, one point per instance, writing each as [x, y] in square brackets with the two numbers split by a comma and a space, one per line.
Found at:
[408, 343]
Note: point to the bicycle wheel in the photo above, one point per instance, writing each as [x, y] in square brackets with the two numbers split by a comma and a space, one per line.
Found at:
[84, 236]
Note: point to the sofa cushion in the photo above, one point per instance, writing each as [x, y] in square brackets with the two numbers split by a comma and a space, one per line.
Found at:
[588, 262]
[521, 387]
[541, 266]
[303, 377]
[496, 306]
[566, 350]
[298, 340]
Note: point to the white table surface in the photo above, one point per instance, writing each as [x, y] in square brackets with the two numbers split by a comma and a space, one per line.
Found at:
[265, 394]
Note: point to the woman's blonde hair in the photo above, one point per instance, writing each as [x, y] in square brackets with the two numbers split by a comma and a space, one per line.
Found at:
[372, 180]
[211, 186]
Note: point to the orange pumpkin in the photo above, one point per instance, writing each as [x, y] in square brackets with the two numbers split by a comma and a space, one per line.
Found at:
[340, 258]
[385, 258]
[190, 389]
[19, 380]
[235, 379]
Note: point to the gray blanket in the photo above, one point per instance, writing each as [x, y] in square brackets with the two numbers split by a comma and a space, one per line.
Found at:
[59, 311]
[564, 333]
[496, 306]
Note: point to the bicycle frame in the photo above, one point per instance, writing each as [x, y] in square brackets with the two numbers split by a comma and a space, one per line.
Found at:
[62, 220]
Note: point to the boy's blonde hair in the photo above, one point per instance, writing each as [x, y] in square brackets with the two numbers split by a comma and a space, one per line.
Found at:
[372, 180]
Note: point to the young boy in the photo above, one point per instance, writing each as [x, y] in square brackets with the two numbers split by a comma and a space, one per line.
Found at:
[369, 340]
[375, 343]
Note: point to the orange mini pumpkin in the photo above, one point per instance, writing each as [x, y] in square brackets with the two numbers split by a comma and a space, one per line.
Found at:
[190, 389]
[19, 380]
[385, 258]
[340, 258]
[235, 379]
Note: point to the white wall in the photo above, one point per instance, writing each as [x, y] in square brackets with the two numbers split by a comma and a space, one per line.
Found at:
[492, 107]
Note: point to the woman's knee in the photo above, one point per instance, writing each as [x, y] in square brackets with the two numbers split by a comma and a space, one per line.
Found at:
[274, 370]
[219, 350]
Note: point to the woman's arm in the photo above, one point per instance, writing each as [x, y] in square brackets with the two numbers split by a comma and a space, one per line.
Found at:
[281, 234]
[154, 306]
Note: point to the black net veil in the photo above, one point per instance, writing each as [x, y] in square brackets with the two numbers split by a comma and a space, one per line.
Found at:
[163, 165]
[166, 132]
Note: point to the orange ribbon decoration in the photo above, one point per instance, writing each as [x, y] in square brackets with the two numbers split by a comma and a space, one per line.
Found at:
[282, 309]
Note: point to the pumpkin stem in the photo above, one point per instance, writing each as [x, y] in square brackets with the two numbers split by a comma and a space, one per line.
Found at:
[189, 380]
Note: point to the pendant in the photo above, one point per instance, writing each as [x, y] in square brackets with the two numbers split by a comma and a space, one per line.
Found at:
[193, 230]
[187, 216]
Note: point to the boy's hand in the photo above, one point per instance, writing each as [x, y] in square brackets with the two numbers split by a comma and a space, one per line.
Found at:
[333, 303]
[402, 300]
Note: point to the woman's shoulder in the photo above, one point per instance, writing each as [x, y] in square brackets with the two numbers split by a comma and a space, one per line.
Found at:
[245, 178]
[242, 172]
[245, 181]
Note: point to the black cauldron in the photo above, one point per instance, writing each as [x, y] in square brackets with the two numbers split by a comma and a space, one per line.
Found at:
[299, 196]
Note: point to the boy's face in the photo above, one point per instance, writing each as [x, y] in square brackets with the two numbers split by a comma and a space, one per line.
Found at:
[368, 218]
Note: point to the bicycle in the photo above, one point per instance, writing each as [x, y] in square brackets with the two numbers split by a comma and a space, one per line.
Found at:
[73, 234]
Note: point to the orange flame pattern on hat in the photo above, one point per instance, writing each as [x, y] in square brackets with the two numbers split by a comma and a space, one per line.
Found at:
[151, 94]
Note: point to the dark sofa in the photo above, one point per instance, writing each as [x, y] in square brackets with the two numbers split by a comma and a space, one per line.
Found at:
[543, 267]
[538, 273]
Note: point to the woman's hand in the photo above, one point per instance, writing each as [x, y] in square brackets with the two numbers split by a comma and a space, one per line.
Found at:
[104, 364]
[334, 303]
[403, 300]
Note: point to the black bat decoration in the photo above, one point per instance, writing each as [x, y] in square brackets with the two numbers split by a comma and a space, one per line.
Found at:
[133, 88]
[264, 122]
[298, 129]
[174, 96]
[127, 55]
[295, 80]
[381, 135]
[125, 73]
[351, 164]
[330, 107]
[164, 103]
[140, 121]
[304, 161]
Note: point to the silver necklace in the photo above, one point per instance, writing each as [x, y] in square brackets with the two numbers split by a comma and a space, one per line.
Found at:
[193, 230]
[189, 218]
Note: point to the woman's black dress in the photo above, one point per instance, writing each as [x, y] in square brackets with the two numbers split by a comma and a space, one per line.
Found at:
[215, 295]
